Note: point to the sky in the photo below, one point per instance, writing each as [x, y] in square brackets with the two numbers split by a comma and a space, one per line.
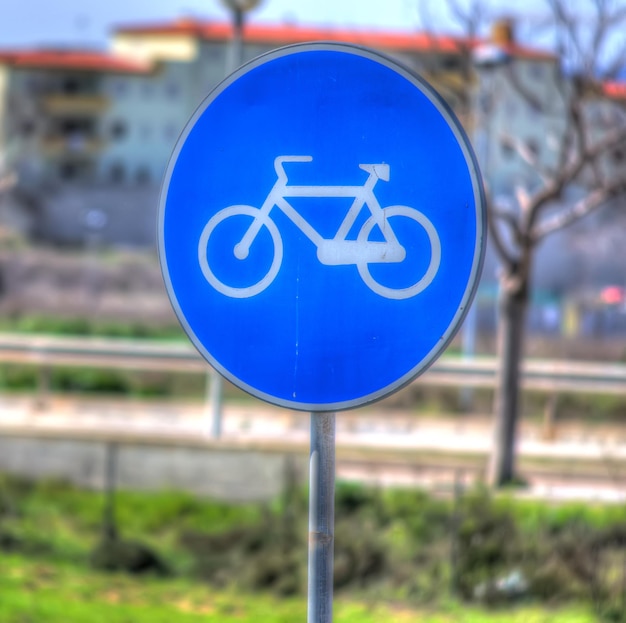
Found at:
[26, 23]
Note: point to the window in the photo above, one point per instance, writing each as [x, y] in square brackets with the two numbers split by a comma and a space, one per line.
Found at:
[213, 52]
[27, 128]
[74, 126]
[172, 89]
[32, 85]
[117, 173]
[451, 62]
[147, 90]
[169, 132]
[118, 130]
[68, 171]
[143, 175]
[75, 170]
[119, 88]
[536, 71]
[70, 86]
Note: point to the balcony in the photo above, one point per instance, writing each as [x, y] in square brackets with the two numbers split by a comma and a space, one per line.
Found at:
[73, 145]
[75, 104]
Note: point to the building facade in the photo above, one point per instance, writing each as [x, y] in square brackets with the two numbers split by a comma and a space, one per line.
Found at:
[90, 134]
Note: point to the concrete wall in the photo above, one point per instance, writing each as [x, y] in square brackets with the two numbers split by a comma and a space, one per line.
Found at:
[215, 470]
[128, 216]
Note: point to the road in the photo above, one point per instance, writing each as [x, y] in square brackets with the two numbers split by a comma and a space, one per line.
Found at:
[382, 447]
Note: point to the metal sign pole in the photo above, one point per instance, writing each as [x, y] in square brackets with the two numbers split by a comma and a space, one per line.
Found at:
[321, 517]
[214, 403]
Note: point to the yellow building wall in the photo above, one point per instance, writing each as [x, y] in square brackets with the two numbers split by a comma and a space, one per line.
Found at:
[155, 47]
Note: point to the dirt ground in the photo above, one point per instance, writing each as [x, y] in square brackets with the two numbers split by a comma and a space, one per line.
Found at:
[108, 285]
[127, 286]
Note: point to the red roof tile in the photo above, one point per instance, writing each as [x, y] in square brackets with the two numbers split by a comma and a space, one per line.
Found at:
[289, 33]
[273, 35]
[614, 90]
[86, 60]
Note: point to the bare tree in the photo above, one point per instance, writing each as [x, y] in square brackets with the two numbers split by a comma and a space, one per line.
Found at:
[581, 173]
[448, 64]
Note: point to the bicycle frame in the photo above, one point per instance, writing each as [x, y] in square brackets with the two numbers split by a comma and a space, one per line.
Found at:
[337, 250]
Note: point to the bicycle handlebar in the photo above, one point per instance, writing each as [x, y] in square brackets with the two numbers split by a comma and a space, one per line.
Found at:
[379, 171]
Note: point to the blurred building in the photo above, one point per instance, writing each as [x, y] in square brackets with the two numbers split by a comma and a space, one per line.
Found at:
[89, 134]
[53, 106]
[58, 131]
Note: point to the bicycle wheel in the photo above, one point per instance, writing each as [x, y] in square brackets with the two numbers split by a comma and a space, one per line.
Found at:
[248, 274]
[427, 269]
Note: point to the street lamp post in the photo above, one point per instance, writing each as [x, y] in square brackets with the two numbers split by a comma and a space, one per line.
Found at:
[238, 9]
[214, 389]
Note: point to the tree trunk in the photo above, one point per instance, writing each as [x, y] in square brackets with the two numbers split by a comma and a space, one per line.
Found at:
[513, 304]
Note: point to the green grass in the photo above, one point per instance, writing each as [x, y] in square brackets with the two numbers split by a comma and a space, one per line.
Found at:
[56, 521]
[49, 530]
[46, 592]
[33, 323]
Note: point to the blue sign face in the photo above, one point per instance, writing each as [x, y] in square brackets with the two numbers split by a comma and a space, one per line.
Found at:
[322, 227]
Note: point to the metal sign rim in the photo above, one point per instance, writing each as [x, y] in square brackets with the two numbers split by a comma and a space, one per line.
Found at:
[480, 209]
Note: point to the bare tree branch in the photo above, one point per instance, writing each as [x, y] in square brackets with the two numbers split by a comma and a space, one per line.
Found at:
[527, 155]
[527, 93]
[584, 43]
[424, 16]
[507, 257]
[605, 145]
[510, 219]
[454, 84]
[523, 197]
[616, 63]
[599, 29]
[472, 17]
[567, 144]
[592, 201]
[566, 23]
[574, 142]
[553, 191]
[500, 219]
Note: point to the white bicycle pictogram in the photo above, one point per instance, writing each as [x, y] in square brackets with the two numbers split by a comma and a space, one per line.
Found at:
[336, 251]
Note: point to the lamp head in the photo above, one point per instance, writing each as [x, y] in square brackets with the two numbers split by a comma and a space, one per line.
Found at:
[240, 5]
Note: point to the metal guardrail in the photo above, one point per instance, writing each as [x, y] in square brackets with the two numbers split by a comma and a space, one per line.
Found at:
[549, 376]
[541, 375]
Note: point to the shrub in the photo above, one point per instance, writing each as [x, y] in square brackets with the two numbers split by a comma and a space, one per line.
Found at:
[488, 546]
[113, 554]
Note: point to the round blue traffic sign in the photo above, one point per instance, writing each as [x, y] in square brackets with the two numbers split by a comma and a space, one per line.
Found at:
[322, 226]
